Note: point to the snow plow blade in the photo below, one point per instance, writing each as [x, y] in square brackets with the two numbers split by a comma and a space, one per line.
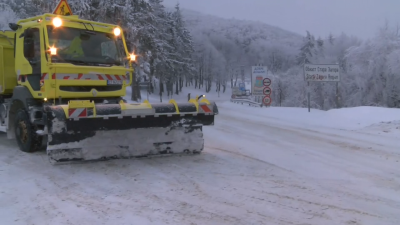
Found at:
[85, 131]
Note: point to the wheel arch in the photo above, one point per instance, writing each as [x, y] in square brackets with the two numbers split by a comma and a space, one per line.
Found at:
[19, 100]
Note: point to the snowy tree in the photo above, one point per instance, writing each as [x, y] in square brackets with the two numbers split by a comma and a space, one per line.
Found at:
[373, 68]
[7, 16]
[183, 49]
[307, 50]
[320, 47]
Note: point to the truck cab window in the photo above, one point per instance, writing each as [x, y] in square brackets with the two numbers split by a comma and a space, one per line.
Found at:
[84, 47]
[32, 45]
[32, 52]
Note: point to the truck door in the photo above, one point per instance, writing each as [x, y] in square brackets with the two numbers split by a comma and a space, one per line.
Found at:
[33, 55]
[28, 60]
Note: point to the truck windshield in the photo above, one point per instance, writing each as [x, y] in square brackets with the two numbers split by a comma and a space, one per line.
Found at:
[85, 47]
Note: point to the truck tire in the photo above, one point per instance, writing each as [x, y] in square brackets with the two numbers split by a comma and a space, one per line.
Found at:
[25, 133]
[3, 113]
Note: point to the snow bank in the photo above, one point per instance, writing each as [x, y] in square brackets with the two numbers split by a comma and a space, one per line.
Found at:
[345, 118]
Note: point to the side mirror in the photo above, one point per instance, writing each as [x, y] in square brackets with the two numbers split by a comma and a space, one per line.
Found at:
[14, 26]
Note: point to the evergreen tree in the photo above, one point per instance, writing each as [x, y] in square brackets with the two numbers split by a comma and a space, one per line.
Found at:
[25, 8]
[183, 49]
[320, 48]
[306, 51]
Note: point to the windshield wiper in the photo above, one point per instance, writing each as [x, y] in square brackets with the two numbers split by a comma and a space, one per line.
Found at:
[81, 62]
[117, 63]
[77, 61]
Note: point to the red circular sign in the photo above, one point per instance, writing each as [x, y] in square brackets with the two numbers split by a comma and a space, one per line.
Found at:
[267, 91]
[266, 82]
[267, 100]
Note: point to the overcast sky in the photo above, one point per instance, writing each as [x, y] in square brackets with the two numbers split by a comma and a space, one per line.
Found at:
[354, 17]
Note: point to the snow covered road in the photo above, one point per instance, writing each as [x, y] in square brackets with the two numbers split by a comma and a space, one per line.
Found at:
[258, 167]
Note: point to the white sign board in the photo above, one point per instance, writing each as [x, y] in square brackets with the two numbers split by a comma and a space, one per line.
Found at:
[258, 73]
[321, 72]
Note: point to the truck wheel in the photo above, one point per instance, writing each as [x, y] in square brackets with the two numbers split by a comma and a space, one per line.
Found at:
[25, 133]
[3, 112]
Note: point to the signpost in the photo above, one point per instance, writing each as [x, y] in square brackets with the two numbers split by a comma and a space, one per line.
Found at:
[242, 86]
[267, 100]
[266, 82]
[321, 73]
[260, 84]
[258, 74]
[267, 91]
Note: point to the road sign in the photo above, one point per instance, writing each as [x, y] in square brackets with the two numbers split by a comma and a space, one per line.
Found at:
[267, 91]
[63, 9]
[258, 73]
[322, 72]
[267, 100]
[267, 82]
[242, 86]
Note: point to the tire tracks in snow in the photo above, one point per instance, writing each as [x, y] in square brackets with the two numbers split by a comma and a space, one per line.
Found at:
[248, 157]
[300, 189]
[272, 122]
[326, 138]
[323, 138]
[219, 186]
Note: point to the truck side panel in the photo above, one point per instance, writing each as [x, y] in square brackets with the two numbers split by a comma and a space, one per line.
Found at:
[8, 79]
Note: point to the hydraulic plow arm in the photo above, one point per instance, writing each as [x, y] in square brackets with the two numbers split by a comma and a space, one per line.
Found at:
[83, 130]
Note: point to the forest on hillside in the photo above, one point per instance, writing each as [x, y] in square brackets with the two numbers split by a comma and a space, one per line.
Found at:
[180, 48]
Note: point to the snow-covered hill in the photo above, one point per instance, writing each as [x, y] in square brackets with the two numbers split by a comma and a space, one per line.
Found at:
[243, 32]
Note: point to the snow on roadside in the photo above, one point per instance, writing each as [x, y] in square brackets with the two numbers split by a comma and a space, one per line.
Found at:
[355, 118]
[388, 128]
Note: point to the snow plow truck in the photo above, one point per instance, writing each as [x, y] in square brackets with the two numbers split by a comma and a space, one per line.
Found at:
[62, 85]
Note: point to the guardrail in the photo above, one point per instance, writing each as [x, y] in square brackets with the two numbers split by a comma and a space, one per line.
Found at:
[246, 101]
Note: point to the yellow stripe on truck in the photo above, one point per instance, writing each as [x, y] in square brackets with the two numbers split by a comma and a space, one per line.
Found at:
[136, 109]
